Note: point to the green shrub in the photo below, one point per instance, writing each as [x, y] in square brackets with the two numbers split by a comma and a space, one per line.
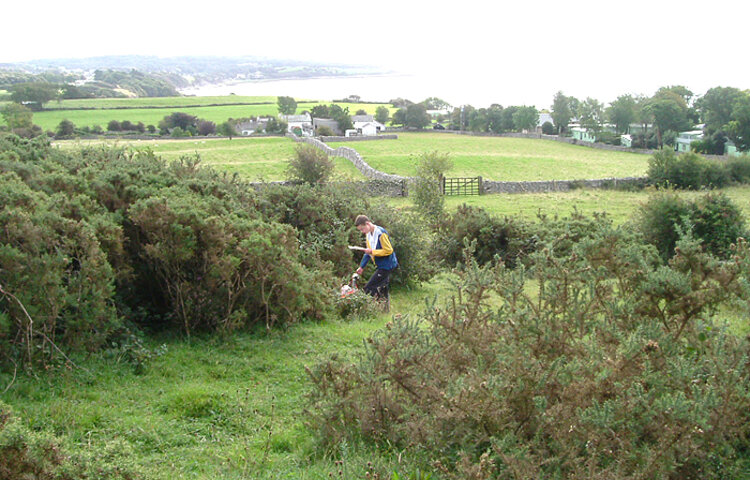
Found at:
[713, 219]
[509, 238]
[323, 217]
[688, 170]
[309, 165]
[324, 131]
[57, 284]
[613, 368]
[426, 188]
[661, 219]
[739, 168]
[221, 269]
[357, 306]
[717, 223]
[100, 236]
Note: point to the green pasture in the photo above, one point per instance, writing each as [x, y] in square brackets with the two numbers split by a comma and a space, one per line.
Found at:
[253, 158]
[135, 109]
[501, 158]
[106, 103]
[618, 205]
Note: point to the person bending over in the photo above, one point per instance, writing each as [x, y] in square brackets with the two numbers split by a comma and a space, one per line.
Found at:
[380, 249]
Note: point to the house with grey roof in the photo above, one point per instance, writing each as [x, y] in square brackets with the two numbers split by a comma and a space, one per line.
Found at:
[366, 125]
[326, 122]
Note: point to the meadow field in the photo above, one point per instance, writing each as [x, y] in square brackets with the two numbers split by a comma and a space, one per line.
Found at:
[265, 159]
[91, 112]
[500, 158]
[494, 158]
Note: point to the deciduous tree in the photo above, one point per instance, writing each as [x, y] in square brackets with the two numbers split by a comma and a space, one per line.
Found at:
[715, 107]
[416, 116]
[382, 114]
[738, 128]
[561, 112]
[17, 116]
[35, 95]
[526, 118]
[287, 105]
[621, 112]
[591, 114]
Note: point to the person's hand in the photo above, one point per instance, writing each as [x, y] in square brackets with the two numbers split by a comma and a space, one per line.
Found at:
[368, 251]
[359, 271]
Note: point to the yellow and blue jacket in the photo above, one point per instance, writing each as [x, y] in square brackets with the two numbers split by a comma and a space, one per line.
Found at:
[382, 250]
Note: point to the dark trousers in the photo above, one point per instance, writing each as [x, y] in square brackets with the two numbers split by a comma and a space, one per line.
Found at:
[378, 284]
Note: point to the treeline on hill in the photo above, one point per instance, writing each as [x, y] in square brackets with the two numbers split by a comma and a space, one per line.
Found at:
[100, 243]
[35, 90]
[571, 349]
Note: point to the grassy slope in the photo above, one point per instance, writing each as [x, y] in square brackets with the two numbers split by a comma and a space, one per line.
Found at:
[208, 408]
[500, 158]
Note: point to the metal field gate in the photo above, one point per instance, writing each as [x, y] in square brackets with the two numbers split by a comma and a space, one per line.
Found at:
[461, 186]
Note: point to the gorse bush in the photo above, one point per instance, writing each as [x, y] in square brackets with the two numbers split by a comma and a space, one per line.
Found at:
[99, 239]
[34, 455]
[509, 238]
[712, 218]
[220, 269]
[613, 368]
[323, 217]
[57, 285]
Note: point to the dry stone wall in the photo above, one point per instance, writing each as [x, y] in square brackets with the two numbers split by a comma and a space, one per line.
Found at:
[396, 186]
[489, 186]
[351, 155]
[362, 138]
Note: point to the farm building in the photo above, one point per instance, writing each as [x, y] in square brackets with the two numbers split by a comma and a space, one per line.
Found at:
[300, 125]
[326, 122]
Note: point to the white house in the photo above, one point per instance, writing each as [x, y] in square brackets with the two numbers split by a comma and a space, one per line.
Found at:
[366, 125]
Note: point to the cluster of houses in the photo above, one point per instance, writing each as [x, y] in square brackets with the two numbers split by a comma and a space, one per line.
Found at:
[306, 126]
[682, 142]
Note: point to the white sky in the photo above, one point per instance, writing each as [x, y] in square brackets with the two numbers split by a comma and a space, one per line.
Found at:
[527, 50]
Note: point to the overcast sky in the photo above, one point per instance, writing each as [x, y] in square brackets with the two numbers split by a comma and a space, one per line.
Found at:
[527, 50]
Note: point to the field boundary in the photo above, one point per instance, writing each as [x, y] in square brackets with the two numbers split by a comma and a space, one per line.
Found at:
[155, 107]
[397, 184]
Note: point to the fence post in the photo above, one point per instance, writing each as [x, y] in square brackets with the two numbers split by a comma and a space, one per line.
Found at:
[479, 185]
